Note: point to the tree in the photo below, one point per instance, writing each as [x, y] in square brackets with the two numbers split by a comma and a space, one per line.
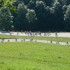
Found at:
[58, 16]
[64, 2]
[6, 19]
[67, 18]
[41, 14]
[31, 17]
[32, 4]
[21, 21]
[56, 6]
[24, 1]
[51, 15]
[6, 3]
[48, 2]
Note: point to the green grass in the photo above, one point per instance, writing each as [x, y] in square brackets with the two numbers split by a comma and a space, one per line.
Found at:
[61, 39]
[34, 56]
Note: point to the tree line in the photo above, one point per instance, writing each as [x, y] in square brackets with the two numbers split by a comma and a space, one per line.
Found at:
[35, 15]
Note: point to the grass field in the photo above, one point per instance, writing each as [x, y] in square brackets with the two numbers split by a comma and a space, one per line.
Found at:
[60, 39]
[34, 56]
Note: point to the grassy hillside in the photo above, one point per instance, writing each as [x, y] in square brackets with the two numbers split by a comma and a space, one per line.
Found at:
[34, 56]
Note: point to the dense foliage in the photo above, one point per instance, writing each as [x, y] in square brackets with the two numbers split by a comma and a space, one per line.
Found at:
[35, 15]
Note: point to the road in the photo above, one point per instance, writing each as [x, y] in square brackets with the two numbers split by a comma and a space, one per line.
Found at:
[37, 34]
[34, 40]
